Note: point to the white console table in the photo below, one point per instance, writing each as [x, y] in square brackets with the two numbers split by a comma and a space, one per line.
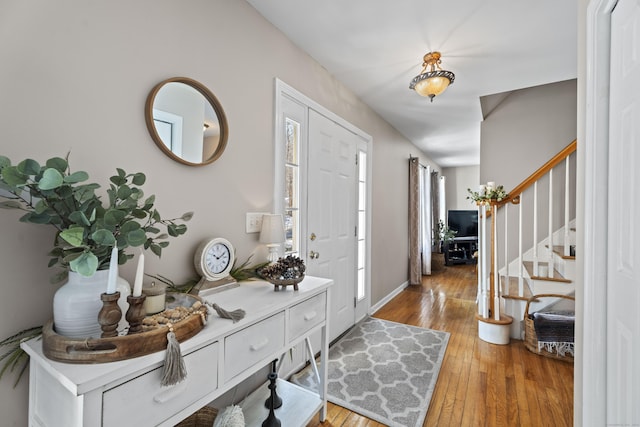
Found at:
[222, 355]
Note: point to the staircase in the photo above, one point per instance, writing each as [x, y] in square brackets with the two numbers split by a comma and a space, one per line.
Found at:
[538, 214]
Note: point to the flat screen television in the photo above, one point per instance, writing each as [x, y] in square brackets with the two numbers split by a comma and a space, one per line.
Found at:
[465, 222]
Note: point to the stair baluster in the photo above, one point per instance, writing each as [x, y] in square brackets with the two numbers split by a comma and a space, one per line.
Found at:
[535, 229]
[567, 189]
[550, 266]
[482, 264]
[506, 250]
[495, 280]
[520, 253]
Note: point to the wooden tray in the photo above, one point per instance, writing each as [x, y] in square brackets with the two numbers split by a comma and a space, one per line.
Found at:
[101, 350]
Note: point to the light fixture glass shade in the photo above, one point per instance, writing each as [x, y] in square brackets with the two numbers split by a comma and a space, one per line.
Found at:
[272, 234]
[432, 86]
[433, 82]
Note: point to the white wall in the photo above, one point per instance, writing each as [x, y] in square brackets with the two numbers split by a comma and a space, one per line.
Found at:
[525, 130]
[75, 76]
[459, 179]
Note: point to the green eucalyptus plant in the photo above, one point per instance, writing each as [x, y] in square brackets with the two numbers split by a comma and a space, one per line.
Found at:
[87, 230]
[442, 235]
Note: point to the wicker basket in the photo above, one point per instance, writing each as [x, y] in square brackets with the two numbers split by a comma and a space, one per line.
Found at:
[204, 416]
[530, 337]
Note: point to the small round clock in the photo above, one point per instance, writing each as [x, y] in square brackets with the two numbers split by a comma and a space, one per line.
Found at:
[214, 258]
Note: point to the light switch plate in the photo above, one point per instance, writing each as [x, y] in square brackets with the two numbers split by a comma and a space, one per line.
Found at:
[254, 221]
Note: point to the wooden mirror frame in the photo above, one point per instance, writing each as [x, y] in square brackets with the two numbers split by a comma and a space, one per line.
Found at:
[213, 101]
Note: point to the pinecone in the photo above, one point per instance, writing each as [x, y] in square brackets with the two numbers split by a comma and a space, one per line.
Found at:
[287, 268]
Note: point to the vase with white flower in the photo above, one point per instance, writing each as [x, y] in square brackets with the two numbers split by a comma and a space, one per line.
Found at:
[87, 230]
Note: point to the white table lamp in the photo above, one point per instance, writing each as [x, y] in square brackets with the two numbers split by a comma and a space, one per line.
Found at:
[272, 234]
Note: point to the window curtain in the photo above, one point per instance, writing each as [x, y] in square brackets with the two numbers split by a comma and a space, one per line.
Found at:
[415, 273]
[435, 200]
[420, 221]
[425, 219]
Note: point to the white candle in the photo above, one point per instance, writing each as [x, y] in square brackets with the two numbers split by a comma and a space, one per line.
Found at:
[491, 184]
[113, 271]
[137, 285]
[482, 188]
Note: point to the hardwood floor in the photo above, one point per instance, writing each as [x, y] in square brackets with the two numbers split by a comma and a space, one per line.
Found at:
[480, 384]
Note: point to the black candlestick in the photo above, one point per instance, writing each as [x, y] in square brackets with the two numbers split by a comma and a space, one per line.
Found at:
[277, 400]
[271, 420]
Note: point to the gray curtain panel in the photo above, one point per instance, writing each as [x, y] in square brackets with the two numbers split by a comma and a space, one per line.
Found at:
[435, 200]
[415, 273]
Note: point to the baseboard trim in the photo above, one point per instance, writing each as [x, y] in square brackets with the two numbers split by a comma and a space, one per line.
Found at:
[389, 297]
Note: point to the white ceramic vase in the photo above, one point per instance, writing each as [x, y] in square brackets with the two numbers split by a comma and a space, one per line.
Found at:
[77, 303]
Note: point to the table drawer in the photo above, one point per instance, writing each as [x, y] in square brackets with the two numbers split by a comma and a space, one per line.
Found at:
[306, 315]
[142, 401]
[252, 344]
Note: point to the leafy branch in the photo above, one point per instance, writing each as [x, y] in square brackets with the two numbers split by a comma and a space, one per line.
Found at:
[86, 230]
[14, 357]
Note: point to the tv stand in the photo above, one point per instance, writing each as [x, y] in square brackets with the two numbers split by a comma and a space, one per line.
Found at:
[460, 250]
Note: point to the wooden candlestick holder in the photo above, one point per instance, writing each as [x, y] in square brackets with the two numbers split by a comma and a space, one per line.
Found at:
[135, 313]
[109, 315]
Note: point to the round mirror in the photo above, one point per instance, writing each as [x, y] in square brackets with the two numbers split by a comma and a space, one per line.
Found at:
[186, 121]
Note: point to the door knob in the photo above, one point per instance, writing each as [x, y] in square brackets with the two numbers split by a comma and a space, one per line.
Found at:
[314, 255]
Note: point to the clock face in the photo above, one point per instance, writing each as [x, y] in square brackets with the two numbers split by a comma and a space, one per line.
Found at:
[217, 258]
[214, 258]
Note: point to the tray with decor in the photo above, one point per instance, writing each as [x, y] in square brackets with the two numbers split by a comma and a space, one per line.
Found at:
[287, 271]
[186, 313]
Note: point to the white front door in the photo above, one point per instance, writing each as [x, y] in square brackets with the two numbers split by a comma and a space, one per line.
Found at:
[331, 215]
[623, 269]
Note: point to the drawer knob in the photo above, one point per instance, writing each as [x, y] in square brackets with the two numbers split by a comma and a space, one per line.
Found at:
[310, 316]
[167, 395]
[259, 346]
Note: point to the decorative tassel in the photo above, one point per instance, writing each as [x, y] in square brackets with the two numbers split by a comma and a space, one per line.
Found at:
[233, 315]
[232, 416]
[174, 370]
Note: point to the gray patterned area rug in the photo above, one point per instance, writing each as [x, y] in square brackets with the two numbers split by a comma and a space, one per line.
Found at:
[383, 370]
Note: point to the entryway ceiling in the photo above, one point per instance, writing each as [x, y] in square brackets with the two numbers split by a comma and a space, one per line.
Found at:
[375, 48]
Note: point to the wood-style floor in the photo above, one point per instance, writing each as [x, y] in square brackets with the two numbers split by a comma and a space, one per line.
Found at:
[480, 384]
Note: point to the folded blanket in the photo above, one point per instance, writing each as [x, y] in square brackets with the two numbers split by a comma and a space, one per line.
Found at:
[555, 331]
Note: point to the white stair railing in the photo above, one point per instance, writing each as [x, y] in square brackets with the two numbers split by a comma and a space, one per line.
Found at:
[495, 314]
[513, 264]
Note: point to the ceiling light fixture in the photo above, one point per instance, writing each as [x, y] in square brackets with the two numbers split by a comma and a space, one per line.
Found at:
[433, 82]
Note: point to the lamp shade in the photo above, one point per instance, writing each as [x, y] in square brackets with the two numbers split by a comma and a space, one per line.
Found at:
[432, 80]
[432, 86]
[272, 230]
